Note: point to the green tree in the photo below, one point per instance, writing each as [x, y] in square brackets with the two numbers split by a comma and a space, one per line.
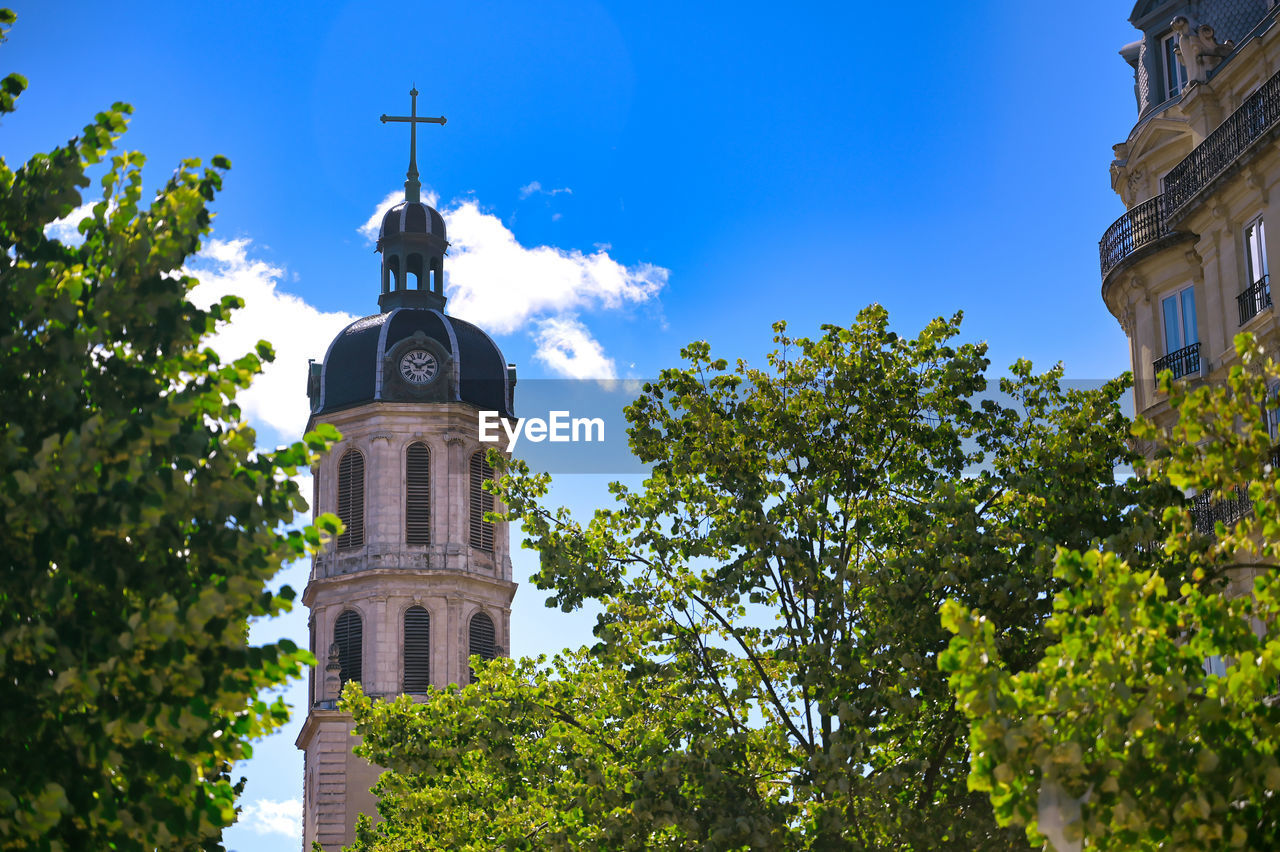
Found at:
[1119, 735]
[141, 528]
[765, 674]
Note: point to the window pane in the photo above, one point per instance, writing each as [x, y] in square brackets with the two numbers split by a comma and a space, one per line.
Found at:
[1172, 331]
[1175, 76]
[1256, 252]
[1189, 333]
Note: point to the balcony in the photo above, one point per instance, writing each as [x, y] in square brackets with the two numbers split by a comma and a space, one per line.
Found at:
[1206, 512]
[1183, 362]
[1223, 148]
[1255, 299]
[1140, 226]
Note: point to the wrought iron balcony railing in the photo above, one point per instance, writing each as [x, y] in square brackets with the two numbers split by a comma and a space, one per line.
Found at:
[1183, 362]
[1143, 224]
[1255, 299]
[1221, 148]
[1206, 511]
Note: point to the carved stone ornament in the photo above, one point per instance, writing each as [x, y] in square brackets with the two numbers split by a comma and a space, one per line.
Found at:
[1196, 262]
[1128, 318]
[1254, 179]
[1198, 48]
[332, 674]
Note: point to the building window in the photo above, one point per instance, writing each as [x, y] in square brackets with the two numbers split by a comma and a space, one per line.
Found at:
[351, 499]
[481, 502]
[348, 636]
[1179, 313]
[481, 638]
[1256, 296]
[1181, 339]
[1255, 251]
[1175, 73]
[417, 650]
[417, 495]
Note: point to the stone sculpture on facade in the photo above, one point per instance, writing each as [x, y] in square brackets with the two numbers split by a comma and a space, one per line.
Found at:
[1198, 49]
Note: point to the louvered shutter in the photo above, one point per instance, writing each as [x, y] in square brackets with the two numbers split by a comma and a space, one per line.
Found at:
[348, 636]
[417, 650]
[481, 639]
[417, 495]
[351, 498]
[481, 502]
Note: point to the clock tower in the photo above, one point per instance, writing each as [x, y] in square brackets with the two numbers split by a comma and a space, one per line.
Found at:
[419, 580]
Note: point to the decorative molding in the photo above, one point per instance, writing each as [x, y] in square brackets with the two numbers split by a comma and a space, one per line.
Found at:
[1128, 318]
[1255, 180]
[1223, 215]
[1196, 262]
[1136, 178]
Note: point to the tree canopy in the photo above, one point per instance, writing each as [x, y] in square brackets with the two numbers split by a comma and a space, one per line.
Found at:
[141, 527]
[1151, 720]
[765, 673]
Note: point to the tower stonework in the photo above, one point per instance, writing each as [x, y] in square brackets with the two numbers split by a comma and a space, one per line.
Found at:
[419, 581]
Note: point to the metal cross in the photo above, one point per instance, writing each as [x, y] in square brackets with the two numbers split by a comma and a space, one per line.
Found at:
[411, 186]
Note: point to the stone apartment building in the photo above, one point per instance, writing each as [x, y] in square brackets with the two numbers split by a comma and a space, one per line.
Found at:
[1185, 269]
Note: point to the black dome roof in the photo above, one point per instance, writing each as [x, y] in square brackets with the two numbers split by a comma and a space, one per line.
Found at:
[412, 217]
[351, 373]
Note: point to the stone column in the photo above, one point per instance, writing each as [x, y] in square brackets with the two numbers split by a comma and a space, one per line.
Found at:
[457, 498]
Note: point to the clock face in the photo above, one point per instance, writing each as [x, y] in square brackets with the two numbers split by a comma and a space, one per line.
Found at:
[418, 366]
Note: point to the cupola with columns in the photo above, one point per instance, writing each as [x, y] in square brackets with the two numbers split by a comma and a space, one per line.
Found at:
[412, 239]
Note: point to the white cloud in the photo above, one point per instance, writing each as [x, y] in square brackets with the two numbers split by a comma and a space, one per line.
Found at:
[502, 286]
[266, 816]
[495, 282]
[567, 347]
[67, 229]
[369, 230]
[535, 188]
[296, 330]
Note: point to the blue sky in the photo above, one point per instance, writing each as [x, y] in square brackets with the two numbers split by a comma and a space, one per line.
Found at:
[619, 179]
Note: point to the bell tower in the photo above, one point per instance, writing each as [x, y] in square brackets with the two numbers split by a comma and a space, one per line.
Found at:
[419, 580]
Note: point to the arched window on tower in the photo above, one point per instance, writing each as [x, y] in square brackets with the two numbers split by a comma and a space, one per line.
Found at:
[348, 636]
[481, 502]
[393, 266]
[413, 272]
[481, 639]
[417, 650]
[351, 498]
[417, 494]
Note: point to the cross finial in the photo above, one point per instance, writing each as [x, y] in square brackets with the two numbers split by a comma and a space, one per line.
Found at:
[411, 185]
